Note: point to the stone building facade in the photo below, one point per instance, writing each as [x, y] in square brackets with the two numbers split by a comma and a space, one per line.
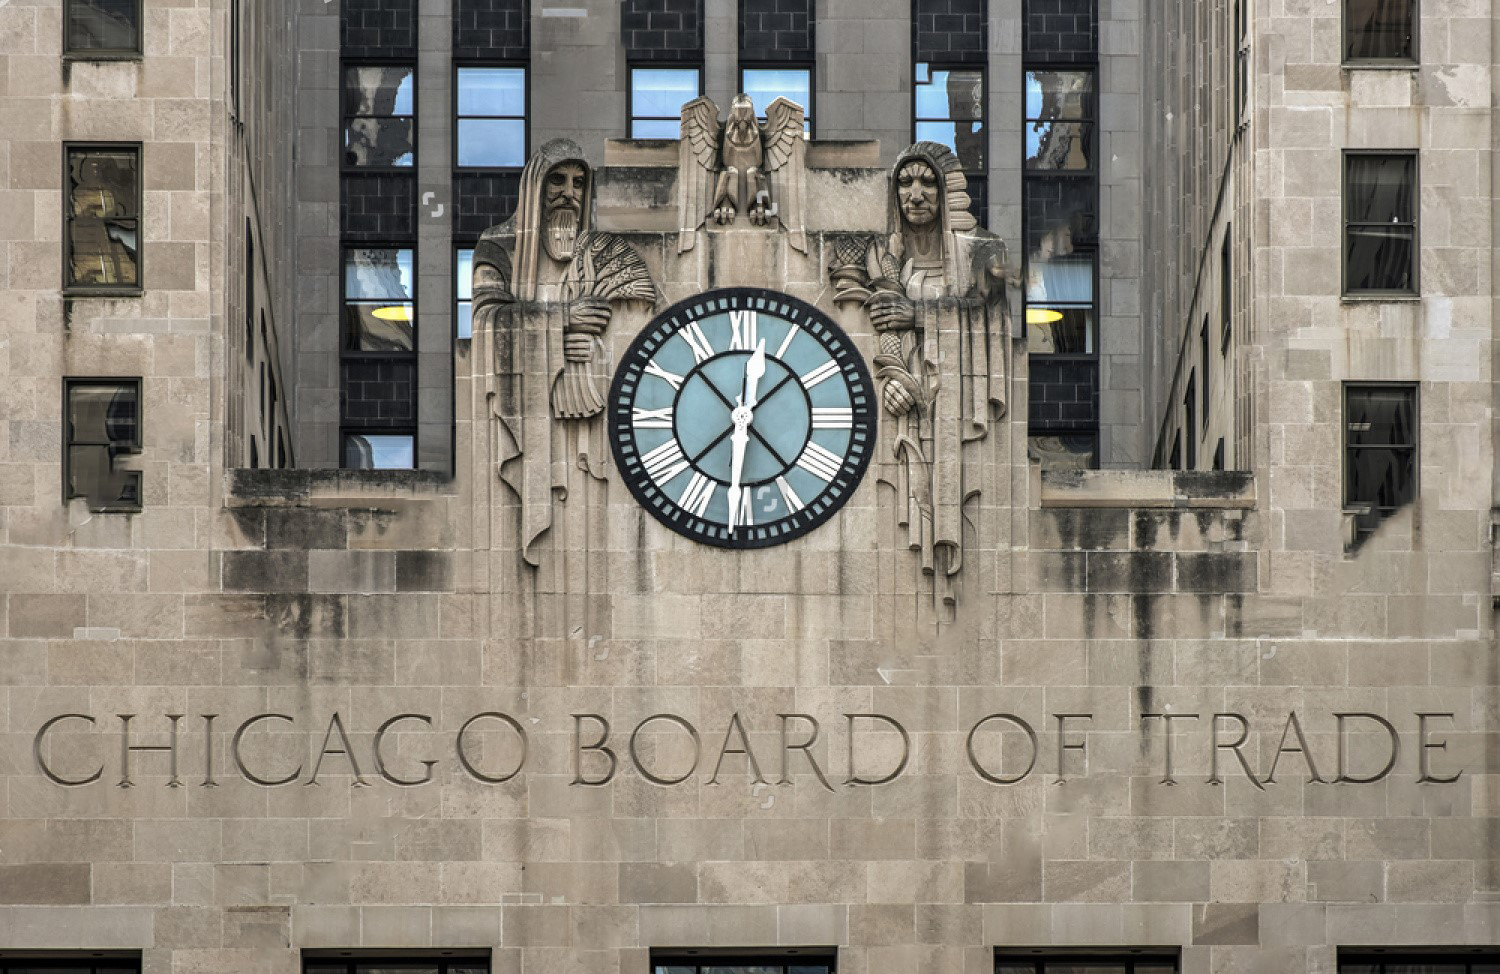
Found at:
[501, 711]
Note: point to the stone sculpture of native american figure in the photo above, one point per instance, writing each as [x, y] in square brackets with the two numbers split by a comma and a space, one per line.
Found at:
[544, 282]
[935, 291]
[742, 168]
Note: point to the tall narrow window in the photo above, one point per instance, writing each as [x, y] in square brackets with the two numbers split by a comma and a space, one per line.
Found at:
[103, 418]
[766, 84]
[492, 117]
[463, 288]
[948, 108]
[1241, 62]
[379, 128]
[657, 95]
[1380, 449]
[1204, 370]
[1380, 30]
[1190, 422]
[102, 28]
[379, 300]
[102, 211]
[1226, 290]
[1380, 223]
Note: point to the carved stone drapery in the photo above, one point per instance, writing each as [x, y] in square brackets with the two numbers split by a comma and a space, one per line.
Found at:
[935, 290]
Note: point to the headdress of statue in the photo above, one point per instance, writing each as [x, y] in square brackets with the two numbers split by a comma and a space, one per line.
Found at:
[525, 236]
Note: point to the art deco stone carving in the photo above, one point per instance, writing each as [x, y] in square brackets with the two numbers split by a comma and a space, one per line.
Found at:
[742, 168]
[935, 291]
[544, 282]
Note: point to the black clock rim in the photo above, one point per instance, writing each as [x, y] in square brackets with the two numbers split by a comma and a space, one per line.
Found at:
[868, 413]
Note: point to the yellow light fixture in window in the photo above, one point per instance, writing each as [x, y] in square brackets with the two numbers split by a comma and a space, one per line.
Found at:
[396, 312]
[1034, 316]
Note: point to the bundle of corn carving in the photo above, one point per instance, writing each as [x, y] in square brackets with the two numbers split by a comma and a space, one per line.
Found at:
[606, 268]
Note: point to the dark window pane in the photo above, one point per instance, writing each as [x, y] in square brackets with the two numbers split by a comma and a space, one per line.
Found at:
[1380, 29]
[378, 327]
[492, 91]
[103, 424]
[380, 142]
[1381, 417]
[103, 25]
[1060, 216]
[1381, 189]
[368, 452]
[103, 225]
[1059, 331]
[1381, 479]
[1380, 258]
[378, 91]
[495, 142]
[376, 274]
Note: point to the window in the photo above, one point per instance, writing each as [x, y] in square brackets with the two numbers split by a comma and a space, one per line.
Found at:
[249, 293]
[491, 117]
[1060, 120]
[1204, 370]
[102, 212]
[379, 300]
[706, 961]
[102, 28]
[404, 963]
[379, 451]
[656, 99]
[1241, 63]
[1226, 291]
[379, 131]
[766, 84]
[1219, 455]
[1190, 421]
[1380, 449]
[949, 106]
[1099, 962]
[103, 423]
[1391, 961]
[1380, 223]
[1380, 30]
[463, 287]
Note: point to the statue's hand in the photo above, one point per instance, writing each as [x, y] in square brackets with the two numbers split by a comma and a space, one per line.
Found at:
[588, 316]
[578, 347]
[890, 311]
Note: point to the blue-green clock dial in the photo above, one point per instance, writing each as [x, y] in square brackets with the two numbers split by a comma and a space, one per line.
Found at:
[742, 418]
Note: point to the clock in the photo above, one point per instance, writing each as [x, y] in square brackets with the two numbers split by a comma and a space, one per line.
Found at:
[742, 418]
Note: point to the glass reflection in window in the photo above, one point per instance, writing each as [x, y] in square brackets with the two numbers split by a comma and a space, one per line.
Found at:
[103, 425]
[463, 288]
[492, 117]
[379, 308]
[103, 26]
[656, 99]
[379, 130]
[1059, 120]
[1380, 222]
[103, 217]
[369, 451]
[1380, 30]
[949, 109]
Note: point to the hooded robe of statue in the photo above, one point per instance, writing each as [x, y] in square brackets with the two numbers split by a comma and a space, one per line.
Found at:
[522, 296]
[952, 363]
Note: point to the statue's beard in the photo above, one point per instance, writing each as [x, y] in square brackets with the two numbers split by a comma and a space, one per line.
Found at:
[562, 233]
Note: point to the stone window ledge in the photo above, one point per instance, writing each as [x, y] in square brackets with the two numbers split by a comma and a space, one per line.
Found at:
[319, 488]
[1175, 489]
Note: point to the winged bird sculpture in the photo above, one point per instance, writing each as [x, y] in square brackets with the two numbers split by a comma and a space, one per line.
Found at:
[742, 167]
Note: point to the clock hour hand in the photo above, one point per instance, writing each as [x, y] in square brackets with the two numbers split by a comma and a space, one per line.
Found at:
[743, 416]
[755, 368]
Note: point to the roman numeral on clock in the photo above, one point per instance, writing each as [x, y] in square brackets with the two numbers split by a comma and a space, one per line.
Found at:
[699, 493]
[671, 378]
[653, 419]
[819, 374]
[746, 325]
[664, 462]
[788, 496]
[832, 418]
[820, 462]
[697, 341]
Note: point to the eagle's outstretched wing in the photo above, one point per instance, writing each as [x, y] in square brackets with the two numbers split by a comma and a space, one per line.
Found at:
[782, 132]
[702, 131]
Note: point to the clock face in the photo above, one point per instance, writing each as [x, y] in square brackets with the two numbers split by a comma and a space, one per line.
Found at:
[742, 418]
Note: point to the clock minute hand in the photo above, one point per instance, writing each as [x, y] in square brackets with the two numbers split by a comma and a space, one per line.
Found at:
[738, 440]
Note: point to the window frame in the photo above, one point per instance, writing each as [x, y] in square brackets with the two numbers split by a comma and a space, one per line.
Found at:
[137, 446]
[71, 53]
[809, 111]
[458, 247]
[785, 957]
[525, 69]
[345, 65]
[1377, 63]
[347, 355]
[1381, 294]
[72, 289]
[1346, 448]
[1091, 120]
[632, 67]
